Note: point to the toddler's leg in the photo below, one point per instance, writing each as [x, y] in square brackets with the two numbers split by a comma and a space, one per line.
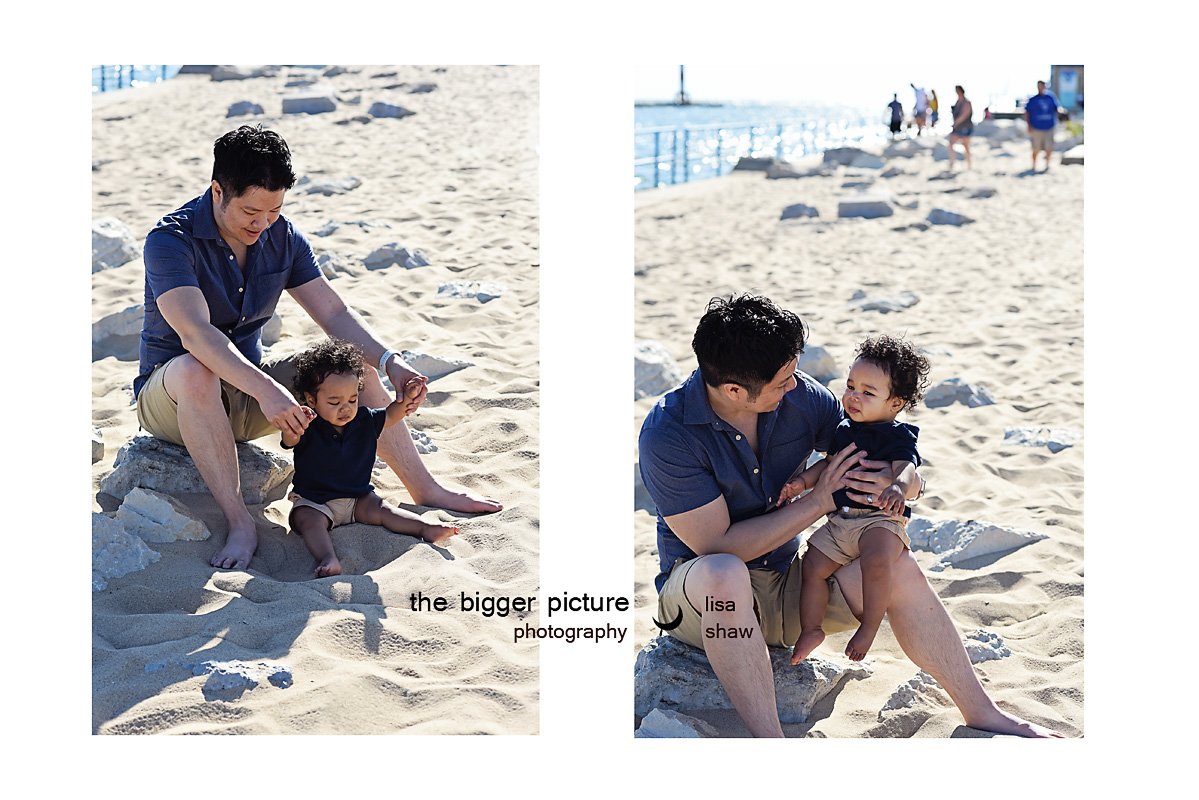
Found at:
[813, 602]
[880, 549]
[314, 527]
[373, 511]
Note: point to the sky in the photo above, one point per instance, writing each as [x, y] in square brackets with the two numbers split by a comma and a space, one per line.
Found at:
[858, 85]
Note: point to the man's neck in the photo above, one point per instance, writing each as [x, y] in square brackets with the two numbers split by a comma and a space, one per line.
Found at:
[742, 420]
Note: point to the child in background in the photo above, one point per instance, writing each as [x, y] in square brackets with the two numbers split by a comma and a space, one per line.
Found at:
[335, 454]
[888, 376]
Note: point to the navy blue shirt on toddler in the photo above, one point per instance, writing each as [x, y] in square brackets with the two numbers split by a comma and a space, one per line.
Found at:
[331, 463]
[882, 441]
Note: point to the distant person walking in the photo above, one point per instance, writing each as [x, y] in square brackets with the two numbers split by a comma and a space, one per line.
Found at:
[933, 106]
[1040, 112]
[896, 115]
[921, 109]
[963, 125]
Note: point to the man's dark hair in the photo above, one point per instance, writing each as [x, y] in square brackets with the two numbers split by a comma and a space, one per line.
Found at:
[746, 340]
[905, 366]
[251, 156]
[330, 357]
[959, 88]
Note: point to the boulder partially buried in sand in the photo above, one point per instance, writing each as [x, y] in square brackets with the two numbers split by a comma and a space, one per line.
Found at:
[394, 253]
[957, 541]
[956, 390]
[667, 724]
[115, 551]
[654, 370]
[155, 517]
[118, 335]
[154, 464]
[860, 301]
[671, 675]
[328, 186]
[382, 110]
[1056, 439]
[867, 206]
[799, 211]
[309, 103]
[112, 244]
[941, 216]
[470, 290]
[819, 363]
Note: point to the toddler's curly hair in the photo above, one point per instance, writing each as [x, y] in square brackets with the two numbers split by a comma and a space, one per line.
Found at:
[330, 357]
[904, 364]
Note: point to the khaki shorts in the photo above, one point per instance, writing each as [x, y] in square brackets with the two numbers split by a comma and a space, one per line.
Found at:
[339, 510]
[1041, 140]
[838, 538]
[158, 413]
[776, 605]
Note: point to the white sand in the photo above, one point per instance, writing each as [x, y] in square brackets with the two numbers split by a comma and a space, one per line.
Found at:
[459, 181]
[1001, 305]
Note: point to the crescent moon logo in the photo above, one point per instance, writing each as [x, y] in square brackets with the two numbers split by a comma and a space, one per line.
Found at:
[669, 626]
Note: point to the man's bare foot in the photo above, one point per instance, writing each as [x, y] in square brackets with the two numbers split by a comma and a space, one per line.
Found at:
[465, 502]
[809, 640]
[437, 532]
[330, 566]
[239, 547]
[999, 721]
[859, 645]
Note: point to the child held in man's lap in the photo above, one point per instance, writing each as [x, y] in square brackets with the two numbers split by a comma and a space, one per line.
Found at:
[335, 454]
[888, 376]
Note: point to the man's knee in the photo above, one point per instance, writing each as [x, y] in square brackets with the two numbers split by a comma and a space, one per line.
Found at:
[186, 377]
[720, 574]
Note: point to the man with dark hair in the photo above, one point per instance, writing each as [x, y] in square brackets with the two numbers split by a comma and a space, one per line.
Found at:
[215, 269]
[715, 454]
[1040, 113]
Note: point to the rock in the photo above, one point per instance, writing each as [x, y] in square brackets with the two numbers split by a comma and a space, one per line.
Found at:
[112, 244]
[939, 216]
[97, 445]
[869, 206]
[424, 445]
[1073, 155]
[328, 229]
[659, 724]
[956, 541]
[226, 72]
[858, 184]
[332, 265]
[753, 164]
[329, 187]
[432, 366]
[154, 464]
[1056, 439]
[907, 695]
[798, 211]
[808, 167]
[955, 390]
[483, 292]
[983, 645]
[817, 362]
[997, 131]
[867, 161]
[308, 103]
[891, 172]
[229, 680]
[654, 370]
[982, 192]
[396, 253]
[909, 205]
[302, 82]
[118, 335]
[641, 499]
[411, 88]
[272, 330]
[155, 517]
[243, 107]
[388, 110]
[116, 552]
[333, 72]
[674, 676]
[903, 148]
[884, 305]
[941, 152]
[844, 156]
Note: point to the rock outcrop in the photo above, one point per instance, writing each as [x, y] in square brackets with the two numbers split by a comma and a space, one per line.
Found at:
[112, 244]
[956, 541]
[654, 370]
[156, 517]
[115, 551]
[955, 390]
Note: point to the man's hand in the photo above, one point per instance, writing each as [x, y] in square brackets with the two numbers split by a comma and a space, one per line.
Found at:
[891, 500]
[282, 410]
[836, 475]
[411, 386]
[866, 483]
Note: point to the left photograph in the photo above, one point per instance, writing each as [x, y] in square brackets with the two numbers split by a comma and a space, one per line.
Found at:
[315, 455]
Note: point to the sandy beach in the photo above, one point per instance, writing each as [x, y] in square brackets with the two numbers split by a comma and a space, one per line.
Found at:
[457, 180]
[998, 304]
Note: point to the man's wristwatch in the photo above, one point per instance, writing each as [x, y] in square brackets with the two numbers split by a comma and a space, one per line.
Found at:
[383, 361]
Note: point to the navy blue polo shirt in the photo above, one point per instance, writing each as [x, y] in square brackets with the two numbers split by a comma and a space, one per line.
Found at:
[332, 463]
[690, 456]
[186, 249]
[883, 441]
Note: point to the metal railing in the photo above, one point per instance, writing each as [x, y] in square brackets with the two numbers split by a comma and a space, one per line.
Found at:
[700, 151]
[110, 77]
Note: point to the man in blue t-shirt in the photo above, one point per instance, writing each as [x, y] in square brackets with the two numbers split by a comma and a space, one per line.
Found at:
[715, 453]
[1040, 112]
[215, 270]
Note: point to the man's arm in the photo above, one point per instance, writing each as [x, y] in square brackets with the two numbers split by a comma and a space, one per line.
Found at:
[186, 311]
[329, 311]
[707, 529]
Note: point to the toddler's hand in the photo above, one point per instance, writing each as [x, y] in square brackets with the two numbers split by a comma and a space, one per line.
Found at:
[790, 491]
[891, 501]
[308, 412]
[413, 394]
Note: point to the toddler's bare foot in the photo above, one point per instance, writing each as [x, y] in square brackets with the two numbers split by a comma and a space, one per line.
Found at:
[859, 645]
[327, 567]
[809, 640]
[437, 532]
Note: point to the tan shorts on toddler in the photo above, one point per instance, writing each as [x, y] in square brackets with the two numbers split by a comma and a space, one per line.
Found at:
[838, 538]
[339, 510]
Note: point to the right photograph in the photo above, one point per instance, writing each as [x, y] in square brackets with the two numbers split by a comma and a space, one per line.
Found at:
[858, 413]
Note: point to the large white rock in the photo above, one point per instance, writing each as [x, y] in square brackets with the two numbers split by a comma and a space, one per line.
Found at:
[116, 552]
[433, 367]
[956, 541]
[819, 363]
[156, 517]
[112, 244]
[332, 265]
[154, 464]
[868, 206]
[470, 290]
[1056, 439]
[654, 370]
[396, 253]
[667, 724]
[671, 675]
[118, 335]
[309, 103]
[860, 301]
[983, 645]
[97, 445]
[956, 390]
[328, 186]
